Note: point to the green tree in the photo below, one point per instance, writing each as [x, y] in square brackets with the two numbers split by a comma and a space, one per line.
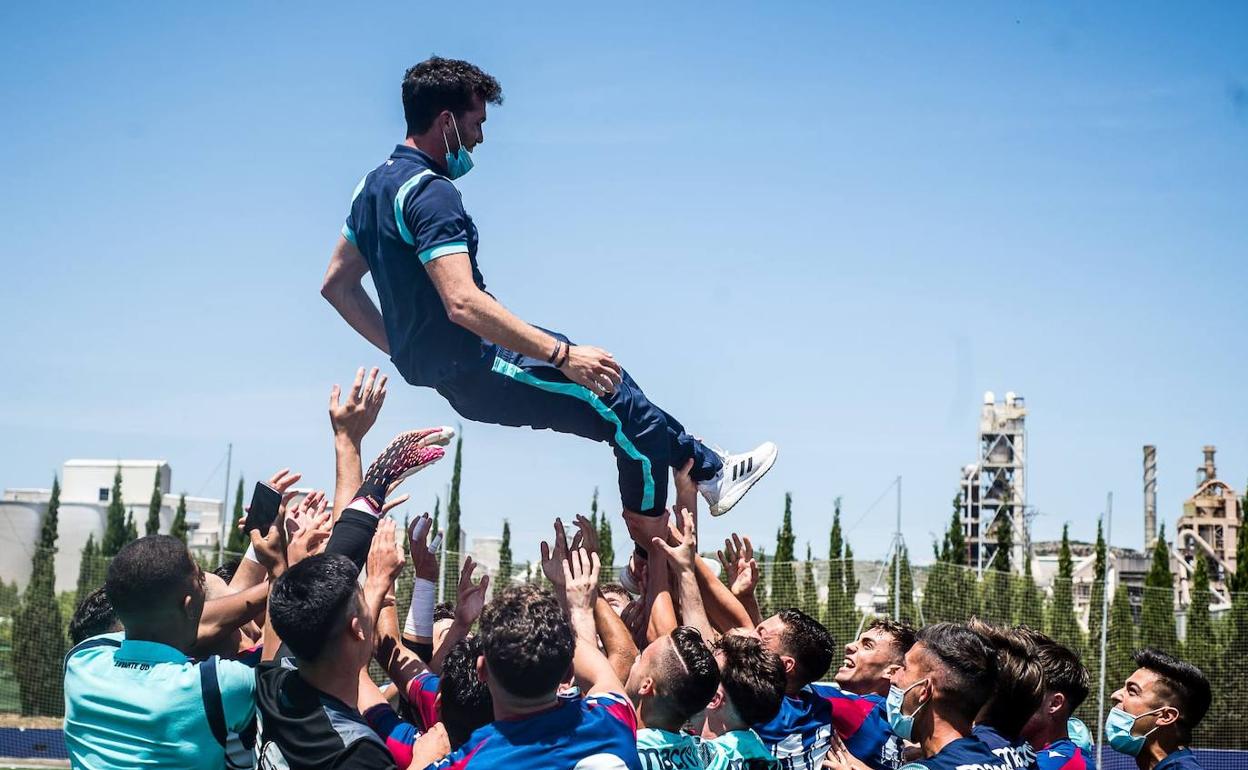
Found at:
[1157, 627]
[762, 591]
[132, 529]
[1230, 704]
[997, 605]
[810, 591]
[10, 599]
[1121, 642]
[606, 542]
[178, 527]
[851, 581]
[237, 540]
[115, 520]
[91, 568]
[908, 612]
[1096, 599]
[1201, 647]
[153, 508]
[504, 559]
[1063, 626]
[38, 636]
[1029, 602]
[450, 569]
[839, 616]
[784, 575]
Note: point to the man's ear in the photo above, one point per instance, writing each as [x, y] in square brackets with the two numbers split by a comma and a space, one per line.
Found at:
[890, 670]
[717, 700]
[1167, 716]
[790, 663]
[357, 629]
[647, 686]
[483, 673]
[1056, 702]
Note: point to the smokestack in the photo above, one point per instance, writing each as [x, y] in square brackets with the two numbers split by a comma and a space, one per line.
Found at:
[1210, 470]
[1150, 495]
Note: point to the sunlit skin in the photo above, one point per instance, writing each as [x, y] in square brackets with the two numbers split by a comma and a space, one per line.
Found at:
[771, 632]
[1144, 692]
[870, 661]
[1048, 723]
[921, 679]
[641, 682]
[617, 600]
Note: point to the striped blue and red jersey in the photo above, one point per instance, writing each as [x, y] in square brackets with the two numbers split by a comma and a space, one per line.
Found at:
[1064, 754]
[597, 731]
[800, 734]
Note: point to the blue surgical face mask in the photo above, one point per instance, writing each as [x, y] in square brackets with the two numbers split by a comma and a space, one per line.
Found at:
[460, 162]
[1118, 731]
[902, 724]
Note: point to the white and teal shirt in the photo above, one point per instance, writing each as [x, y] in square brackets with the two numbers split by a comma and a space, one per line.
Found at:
[663, 750]
[738, 750]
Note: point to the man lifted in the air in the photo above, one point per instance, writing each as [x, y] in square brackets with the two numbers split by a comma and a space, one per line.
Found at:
[408, 227]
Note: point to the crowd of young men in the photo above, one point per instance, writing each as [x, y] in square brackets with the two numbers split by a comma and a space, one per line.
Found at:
[268, 664]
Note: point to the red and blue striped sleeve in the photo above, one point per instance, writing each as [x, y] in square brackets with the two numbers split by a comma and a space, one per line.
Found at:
[422, 694]
[859, 720]
[397, 734]
[617, 705]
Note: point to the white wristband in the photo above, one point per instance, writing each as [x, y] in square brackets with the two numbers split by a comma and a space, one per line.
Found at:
[419, 621]
[251, 554]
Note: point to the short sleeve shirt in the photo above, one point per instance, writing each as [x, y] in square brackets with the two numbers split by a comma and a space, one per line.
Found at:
[1183, 759]
[597, 732]
[131, 703]
[1016, 756]
[1063, 754]
[302, 728]
[738, 750]
[968, 753]
[801, 733]
[404, 215]
[665, 750]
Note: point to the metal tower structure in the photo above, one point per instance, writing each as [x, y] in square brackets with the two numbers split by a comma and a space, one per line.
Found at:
[996, 485]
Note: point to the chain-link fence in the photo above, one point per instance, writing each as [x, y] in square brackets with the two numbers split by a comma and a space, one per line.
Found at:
[1211, 633]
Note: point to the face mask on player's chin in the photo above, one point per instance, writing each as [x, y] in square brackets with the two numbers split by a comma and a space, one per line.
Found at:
[459, 162]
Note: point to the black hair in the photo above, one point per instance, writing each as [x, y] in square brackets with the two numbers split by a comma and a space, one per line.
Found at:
[967, 662]
[226, 571]
[466, 702]
[687, 685]
[809, 643]
[1020, 679]
[93, 616]
[1184, 683]
[902, 633]
[438, 84]
[151, 576]
[443, 611]
[527, 641]
[1064, 672]
[753, 678]
[312, 601]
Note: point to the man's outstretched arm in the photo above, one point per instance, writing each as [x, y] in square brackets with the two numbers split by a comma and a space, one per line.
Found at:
[470, 307]
[343, 288]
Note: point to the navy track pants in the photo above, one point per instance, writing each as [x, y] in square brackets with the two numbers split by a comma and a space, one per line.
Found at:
[508, 388]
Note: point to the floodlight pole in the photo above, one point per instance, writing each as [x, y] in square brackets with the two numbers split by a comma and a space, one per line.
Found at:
[897, 559]
[1100, 709]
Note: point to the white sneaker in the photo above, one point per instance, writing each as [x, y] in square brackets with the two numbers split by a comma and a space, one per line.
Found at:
[740, 472]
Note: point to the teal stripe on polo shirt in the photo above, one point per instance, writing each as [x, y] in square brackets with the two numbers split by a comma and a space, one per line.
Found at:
[141, 704]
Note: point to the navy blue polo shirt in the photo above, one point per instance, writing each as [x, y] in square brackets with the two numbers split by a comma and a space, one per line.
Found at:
[1183, 759]
[968, 753]
[405, 213]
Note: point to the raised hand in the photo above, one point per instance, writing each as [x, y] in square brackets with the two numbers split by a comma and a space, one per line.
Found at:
[580, 579]
[308, 527]
[385, 557]
[684, 553]
[594, 368]
[424, 554]
[470, 599]
[553, 557]
[353, 418]
[643, 529]
[586, 535]
[406, 454]
[739, 564]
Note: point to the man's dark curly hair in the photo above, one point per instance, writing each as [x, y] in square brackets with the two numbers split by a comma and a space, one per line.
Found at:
[686, 680]
[901, 632]
[967, 662]
[312, 601]
[809, 643]
[93, 616]
[753, 678]
[527, 641]
[443, 611]
[1179, 681]
[438, 84]
[466, 703]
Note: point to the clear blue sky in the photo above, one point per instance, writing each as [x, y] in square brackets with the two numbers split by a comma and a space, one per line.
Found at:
[791, 221]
